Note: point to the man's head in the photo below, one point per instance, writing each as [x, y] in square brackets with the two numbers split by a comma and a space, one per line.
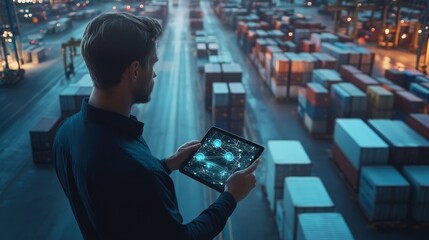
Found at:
[120, 50]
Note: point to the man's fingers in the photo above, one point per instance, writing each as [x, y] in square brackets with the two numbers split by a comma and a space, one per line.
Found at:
[252, 167]
[190, 143]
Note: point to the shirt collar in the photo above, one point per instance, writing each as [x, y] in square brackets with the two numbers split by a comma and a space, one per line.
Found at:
[128, 126]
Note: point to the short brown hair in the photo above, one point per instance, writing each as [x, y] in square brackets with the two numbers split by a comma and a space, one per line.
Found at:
[112, 41]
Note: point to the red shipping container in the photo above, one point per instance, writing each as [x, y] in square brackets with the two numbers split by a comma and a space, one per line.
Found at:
[317, 97]
[420, 123]
[308, 46]
[408, 103]
[349, 172]
[347, 72]
[362, 81]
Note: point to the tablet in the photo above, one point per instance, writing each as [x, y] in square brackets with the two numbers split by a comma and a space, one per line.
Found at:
[220, 155]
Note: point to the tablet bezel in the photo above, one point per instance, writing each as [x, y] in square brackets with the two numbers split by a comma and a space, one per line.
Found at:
[213, 128]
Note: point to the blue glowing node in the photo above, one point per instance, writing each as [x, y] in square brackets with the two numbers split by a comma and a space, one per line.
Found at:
[229, 156]
[217, 143]
[200, 156]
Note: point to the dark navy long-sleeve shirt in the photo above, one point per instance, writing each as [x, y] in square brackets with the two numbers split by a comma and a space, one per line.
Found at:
[117, 189]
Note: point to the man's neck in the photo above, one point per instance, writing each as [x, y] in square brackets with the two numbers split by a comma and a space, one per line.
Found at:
[110, 100]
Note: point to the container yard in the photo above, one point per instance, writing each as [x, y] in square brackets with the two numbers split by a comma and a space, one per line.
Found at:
[337, 92]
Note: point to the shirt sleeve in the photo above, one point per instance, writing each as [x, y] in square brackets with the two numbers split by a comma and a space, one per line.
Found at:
[164, 165]
[206, 226]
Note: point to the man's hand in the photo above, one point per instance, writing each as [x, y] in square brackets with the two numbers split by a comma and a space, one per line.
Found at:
[242, 182]
[182, 154]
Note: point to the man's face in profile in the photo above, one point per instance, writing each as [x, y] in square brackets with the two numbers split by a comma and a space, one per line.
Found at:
[146, 81]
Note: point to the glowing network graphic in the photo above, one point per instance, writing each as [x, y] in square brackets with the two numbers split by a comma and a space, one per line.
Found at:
[219, 157]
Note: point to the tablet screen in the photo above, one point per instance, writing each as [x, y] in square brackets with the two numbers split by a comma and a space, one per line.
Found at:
[220, 155]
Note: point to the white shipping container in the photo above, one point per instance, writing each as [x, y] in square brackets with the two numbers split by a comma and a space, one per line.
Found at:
[286, 158]
[315, 126]
[360, 143]
[220, 94]
[303, 195]
[323, 226]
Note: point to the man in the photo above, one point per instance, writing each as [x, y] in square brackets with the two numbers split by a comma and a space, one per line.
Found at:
[116, 187]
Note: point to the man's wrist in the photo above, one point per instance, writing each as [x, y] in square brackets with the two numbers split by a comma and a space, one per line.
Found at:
[165, 165]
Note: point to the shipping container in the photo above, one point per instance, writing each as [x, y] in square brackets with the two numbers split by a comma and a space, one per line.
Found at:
[406, 145]
[361, 145]
[329, 226]
[231, 72]
[317, 95]
[326, 77]
[362, 81]
[286, 158]
[68, 103]
[380, 98]
[383, 193]
[303, 195]
[324, 60]
[417, 176]
[212, 73]
[348, 71]
[407, 102]
[420, 123]
[42, 139]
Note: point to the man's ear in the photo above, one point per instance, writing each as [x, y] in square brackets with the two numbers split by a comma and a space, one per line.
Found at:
[133, 70]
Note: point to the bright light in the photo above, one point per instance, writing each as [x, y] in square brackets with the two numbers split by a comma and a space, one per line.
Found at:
[404, 36]
[77, 4]
[420, 31]
[372, 29]
[26, 10]
[402, 21]
[386, 31]
[141, 6]
[349, 19]
[309, 4]
[426, 27]
[58, 25]
[30, 15]
[25, 15]
[290, 34]
[128, 7]
[114, 7]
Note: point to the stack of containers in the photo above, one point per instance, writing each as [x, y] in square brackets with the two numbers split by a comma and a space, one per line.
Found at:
[269, 53]
[237, 104]
[406, 145]
[417, 176]
[315, 104]
[348, 71]
[410, 76]
[280, 75]
[380, 102]
[362, 81]
[286, 158]
[396, 76]
[318, 39]
[421, 91]
[420, 123]
[68, 104]
[366, 60]
[406, 103]
[308, 46]
[42, 139]
[308, 65]
[303, 195]
[353, 55]
[332, 226]
[212, 73]
[347, 101]
[324, 60]
[213, 48]
[296, 76]
[357, 145]
[341, 55]
[231, 72]
[220, 105]
[300, 35]
[384, 194]
[388, 85]
[196, 19]
[326, 77]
